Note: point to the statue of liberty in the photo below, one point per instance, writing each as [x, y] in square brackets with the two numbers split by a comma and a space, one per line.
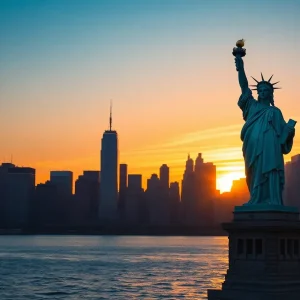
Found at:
[266, 137]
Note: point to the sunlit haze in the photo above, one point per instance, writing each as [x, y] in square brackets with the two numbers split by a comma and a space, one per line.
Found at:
[166, 65]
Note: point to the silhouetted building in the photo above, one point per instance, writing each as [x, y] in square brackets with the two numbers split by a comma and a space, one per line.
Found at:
[109, 176]
[164, 178]
[205, 190]
[49, 209]
[63, 202]
[240, 192]
[226, 202]
[86, 196]
[3, 192]
[292, 182]
[188, 195]
[122, 189]
[135, 181]
[134, 199]
[174, 203]
[63, 180]
[164, 175]
[199, 164]
[198, 192]
[157, 203]
[5, 166]
[19, 196]
[94, 176]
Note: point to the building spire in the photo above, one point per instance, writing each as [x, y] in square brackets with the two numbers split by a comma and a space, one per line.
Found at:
[110, 116]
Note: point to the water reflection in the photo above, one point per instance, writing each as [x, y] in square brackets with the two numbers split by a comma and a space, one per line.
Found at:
[111, 267]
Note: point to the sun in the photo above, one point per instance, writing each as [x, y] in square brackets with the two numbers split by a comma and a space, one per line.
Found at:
[224, 181]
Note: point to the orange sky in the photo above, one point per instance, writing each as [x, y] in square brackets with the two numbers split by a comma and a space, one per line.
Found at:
[168, 69]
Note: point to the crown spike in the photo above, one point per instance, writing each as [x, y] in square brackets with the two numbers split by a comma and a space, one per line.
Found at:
[275, 83]
[255, 79]
[270, 78]
[277, 88]
[262, 77]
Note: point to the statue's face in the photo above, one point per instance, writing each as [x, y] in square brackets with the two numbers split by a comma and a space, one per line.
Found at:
[264, 92]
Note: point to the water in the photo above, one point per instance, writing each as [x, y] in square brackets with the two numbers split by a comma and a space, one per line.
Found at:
[110, 267]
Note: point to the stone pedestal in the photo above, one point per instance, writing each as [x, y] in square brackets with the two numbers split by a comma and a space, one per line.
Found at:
[264, 256]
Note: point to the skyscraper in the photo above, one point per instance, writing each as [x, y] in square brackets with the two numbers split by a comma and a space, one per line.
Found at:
[134, 196]
[122, 189]
[87, 196]
[63, 180]
[157, 203]
[188, 196]
[20, 192]
[164, 176]
[108, 202]
[4, 191]
[123, 177]
[174, 202]
[205, 190]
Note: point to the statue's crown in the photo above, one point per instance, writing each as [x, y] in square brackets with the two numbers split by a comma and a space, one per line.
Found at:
[268, 83]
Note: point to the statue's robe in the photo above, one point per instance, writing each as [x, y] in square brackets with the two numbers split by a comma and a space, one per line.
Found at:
[263, 149]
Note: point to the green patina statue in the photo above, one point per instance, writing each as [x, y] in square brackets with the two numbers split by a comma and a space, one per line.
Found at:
[266, 137]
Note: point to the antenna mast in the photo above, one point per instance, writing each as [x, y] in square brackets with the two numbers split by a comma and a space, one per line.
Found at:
[110, 116]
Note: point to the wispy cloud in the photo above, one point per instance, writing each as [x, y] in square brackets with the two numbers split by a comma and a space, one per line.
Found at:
[219, 145]
[199, 136]
[213, 143]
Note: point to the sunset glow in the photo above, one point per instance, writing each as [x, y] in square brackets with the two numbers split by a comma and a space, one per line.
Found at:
[224, 182]
[168, 67]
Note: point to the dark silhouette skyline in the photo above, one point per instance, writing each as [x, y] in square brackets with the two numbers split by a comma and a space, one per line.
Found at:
[200, 205]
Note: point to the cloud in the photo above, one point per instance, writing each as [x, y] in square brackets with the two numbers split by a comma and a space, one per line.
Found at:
[192, 140]
[199, 136]
[219, 145]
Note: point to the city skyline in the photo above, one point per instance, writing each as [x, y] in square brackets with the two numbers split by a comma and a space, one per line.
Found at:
[168, 68]
[53, 204]
[222, 185]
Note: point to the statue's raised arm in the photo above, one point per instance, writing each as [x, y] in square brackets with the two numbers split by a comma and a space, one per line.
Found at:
[241, 74]
[240, 52]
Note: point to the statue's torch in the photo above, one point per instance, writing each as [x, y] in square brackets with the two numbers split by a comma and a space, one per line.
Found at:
[239, 51]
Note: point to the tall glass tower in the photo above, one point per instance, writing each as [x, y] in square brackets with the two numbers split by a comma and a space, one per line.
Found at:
[108, 201]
